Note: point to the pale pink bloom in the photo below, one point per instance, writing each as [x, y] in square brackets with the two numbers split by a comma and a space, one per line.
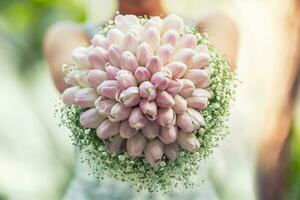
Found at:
[80, 57]
[129, 62]
[108, 88]
[187, 41]
[184, 55]
[188, 141]
[125, 79]
[147, 90]
[168, 135]
[126, 131]
[111, 72]
[137, 119]
[116, 144]
[154, 64]
[151, 130]
[177, 69]
[197, 76]
[152, 37]
[115, 36]
[68, 96]
[166, 117]
[180, 104]
[172, 22]
[165, 52]
[114, 55]
[143, 53]
[119, 112]
[188, 88]
[98, 57]
[129, 97]
[142, 74]
[91, 118]
[154, 151]
[171, 151]
[104, 106]
[170, 37]
[86, 97]
[107, 129]
[199, 61]
[136, 145]
[149, 108]
[100, 41]
[95, 77]
[164, 99]
[175, 86]
[161, 79]
[130, 42]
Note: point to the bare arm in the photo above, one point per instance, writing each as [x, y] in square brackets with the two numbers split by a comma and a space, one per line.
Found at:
[59, 42]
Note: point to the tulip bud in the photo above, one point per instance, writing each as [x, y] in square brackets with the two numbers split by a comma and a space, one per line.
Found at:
[116, 144]
[164, 99]
[197, 102]
[86, 97]
[199, 92]
[81, 78]
[136, 145]
[168, 135]
[115, 36]
[180, 104]
[197, 76]
[136, 30]
[132, 20]
[166, 117]
[143, 53]
[177, 69]
[154, 22]
[171, 151]
[196, 118]
[104, 106]
[152, 37]
[137, 119]
[188, 88]
[142, 74]
[107, 129]
[154, 151]
[95, 77]
[121, 23]
[114, 55]
[187, 41]
[100, 41]
[161, 79]
[119, 112]
[147, 90]
[108, 88]
[175, 86]
[111, 72]
[190, 120]
[172, 22]
[171, 37]
[80, 57]
[130, 42]
[68, 96]
[154, 64]
[184, 55]
[70, 78]
[151, 130]
[149, 108]
[200, 60]
[98, 57]
[129, 97]
[188, 141]
[165, 52]
[91, 118]
[126, 131]
[129, 62]
[202, 48]
[125, 79]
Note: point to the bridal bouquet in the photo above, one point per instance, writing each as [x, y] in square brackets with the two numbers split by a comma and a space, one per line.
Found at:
[148, 100]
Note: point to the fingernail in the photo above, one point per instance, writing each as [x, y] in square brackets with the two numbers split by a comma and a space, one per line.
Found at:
[177, 69]
[129, 62]
[142, 74]
[197, 76]
[175, 86]
[114, 55]
[80, 57]
[136, 145]
[168, 135]
[164, 99]
[154, 151]
[152, 37]
[149, 108]
[172, 22]
[119, 112]
[115, 36]
[143, 53]
[116, 144]
[165, 52]
[111, 72]
[126, 131]
[100, 41]
[151, 130]
[171, 37]
[130, 96]
[188, 141]
[180, 104]
[137, 119]
[171, 151]
[188, 88]
[98, 57]
[91, 118]
[86, 97]
[95, 77]
[187, 41]
[166, 117]
[154, 64]
[68, 96]
[147, 90]
[108, 88]
[107, 129]
[125, 79]
[104, 106]
[184, 55]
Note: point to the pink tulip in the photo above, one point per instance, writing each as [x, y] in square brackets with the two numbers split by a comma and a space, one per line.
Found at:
[177, 69]
[196, 117]
[115, 36]
[95, 77]
[81, 78]
[200, 60]
[136, 145]
[126, 131]
[147, 90]
[130, 42]
[154, 151]
[100, 41]
[125, 79]
[199, 92]
[149, 108]
[129, 62]
[70, 78]
[171, 151]
[91, 118]
[104, 106]
[165, 52]
[188, 141]
[180, 104]
[166, 117]
[86, 97]
[175, 86]
[80, 57]
[190, 120]
[142, 74]
[188, 88]
[197, 102]
[98, 57]
[107, 129]
[154, 64]
[187, 41]
[137, 119]
[132, 20]
[168, 135]
[151, 130]
[143, 53]
[171, 37]
[114, 55]
[161, 79]
[152, 37]
[184, 55]
[108, 88]
[116, 144]
[121, 23]
[202, 48]
[129, 97]
[197, 76]
[68, 96]
[119, 112]
[154, 22]
[172, 22]
[164, 99]
[111, 72]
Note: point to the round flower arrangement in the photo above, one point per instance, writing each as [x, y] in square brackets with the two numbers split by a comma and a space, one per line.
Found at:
[147, 101]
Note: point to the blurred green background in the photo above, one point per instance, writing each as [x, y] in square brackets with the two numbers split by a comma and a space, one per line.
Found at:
[36, 158]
